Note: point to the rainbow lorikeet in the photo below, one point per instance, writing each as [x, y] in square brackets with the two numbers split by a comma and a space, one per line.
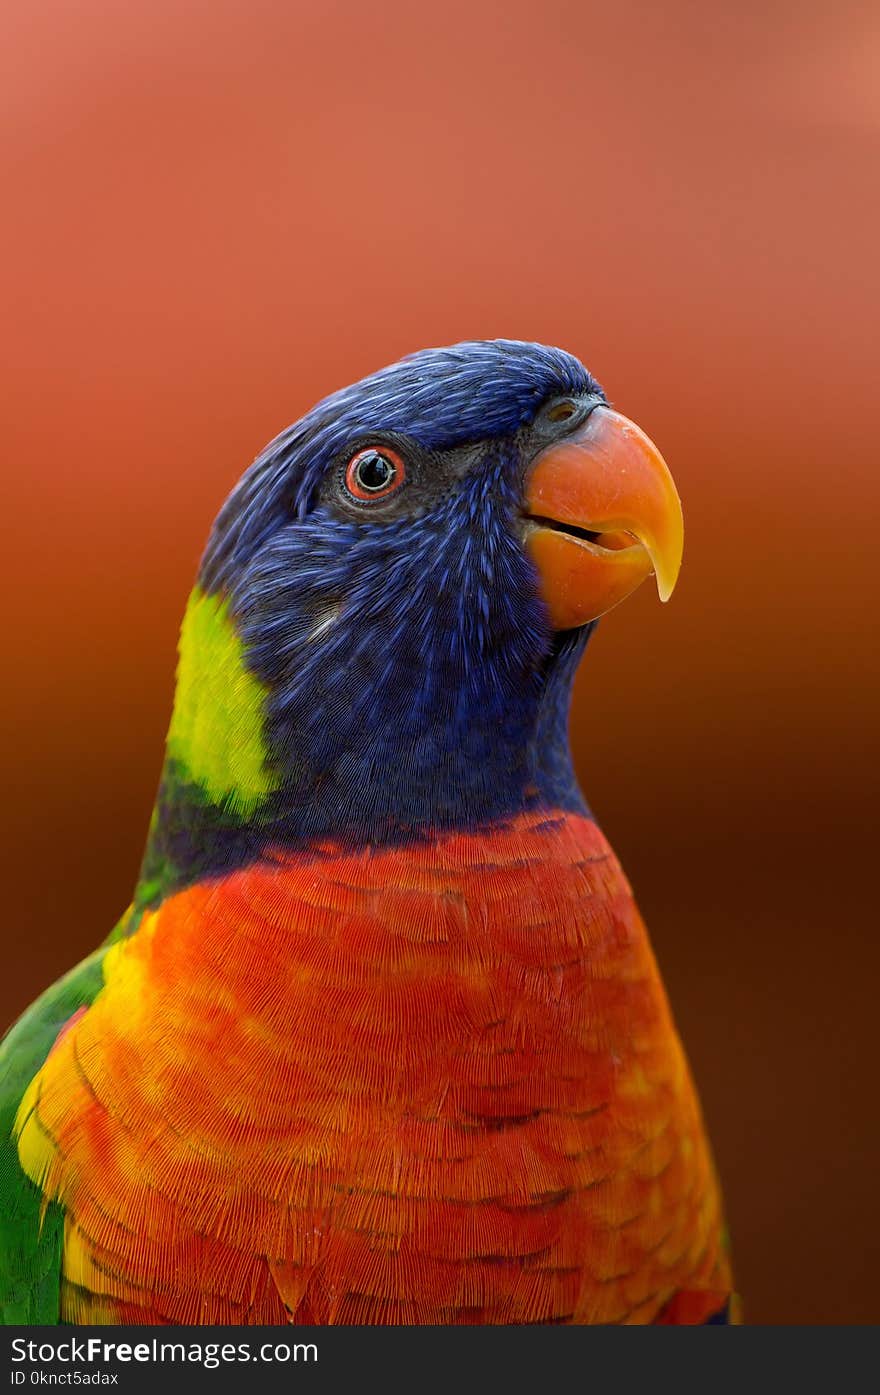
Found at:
[381, 1038]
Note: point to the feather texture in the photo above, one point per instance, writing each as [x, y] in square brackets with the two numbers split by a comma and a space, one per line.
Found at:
[424, 1085]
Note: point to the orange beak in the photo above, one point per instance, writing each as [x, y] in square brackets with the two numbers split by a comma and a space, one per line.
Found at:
[607, 480]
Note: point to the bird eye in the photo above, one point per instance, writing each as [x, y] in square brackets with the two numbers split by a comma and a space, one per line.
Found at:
[374, 473]
[561, 411]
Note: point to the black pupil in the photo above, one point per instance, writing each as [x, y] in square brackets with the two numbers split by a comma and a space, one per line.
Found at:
[374, 471]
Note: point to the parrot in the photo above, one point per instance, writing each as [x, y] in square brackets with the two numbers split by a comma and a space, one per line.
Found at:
[381, 1038]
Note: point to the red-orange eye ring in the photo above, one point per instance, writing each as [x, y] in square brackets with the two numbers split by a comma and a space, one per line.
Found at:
[374, 473]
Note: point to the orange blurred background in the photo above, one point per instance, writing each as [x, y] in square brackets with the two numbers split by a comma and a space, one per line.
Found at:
[217, 212]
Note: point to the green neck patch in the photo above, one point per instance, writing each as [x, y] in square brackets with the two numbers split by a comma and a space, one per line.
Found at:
[217, 732]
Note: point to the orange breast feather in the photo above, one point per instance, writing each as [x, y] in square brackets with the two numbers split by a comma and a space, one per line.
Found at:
[438, 1084]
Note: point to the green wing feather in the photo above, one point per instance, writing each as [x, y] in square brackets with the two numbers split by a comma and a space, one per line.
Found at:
[31, 1235]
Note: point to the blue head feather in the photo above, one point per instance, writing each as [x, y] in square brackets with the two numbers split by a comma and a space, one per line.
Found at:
[414, 682]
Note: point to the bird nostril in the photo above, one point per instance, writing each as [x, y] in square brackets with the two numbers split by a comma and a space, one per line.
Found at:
[561, 411]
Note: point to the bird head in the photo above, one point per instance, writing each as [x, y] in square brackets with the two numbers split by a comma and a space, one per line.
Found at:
[394, 598]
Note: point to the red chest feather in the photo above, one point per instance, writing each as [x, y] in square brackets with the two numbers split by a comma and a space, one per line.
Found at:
[427, 1085]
